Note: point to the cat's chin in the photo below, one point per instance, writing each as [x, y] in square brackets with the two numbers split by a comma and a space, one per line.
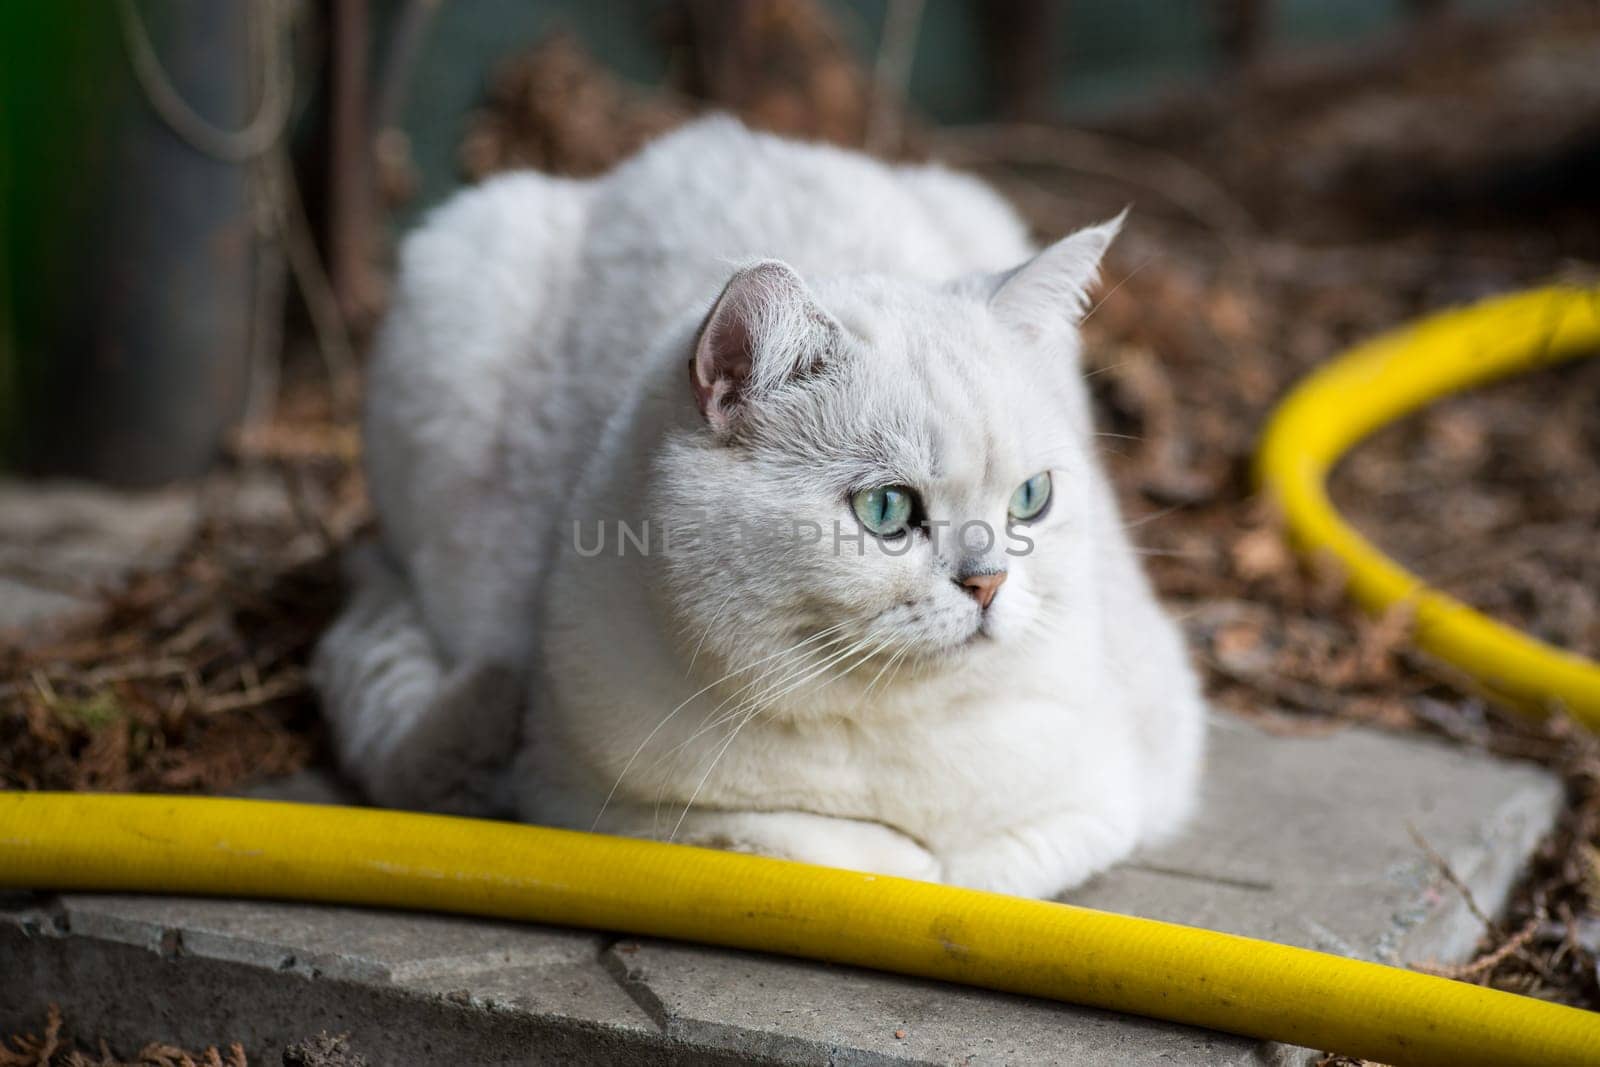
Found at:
[960, 650]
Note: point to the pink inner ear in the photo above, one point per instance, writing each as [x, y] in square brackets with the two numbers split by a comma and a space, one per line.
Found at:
[765, 305]
[723, 358]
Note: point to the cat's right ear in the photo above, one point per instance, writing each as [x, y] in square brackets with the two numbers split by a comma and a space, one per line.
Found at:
[765, 329]
[1053, 287]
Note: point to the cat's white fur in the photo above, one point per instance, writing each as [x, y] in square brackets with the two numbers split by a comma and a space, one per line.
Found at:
[535, 373]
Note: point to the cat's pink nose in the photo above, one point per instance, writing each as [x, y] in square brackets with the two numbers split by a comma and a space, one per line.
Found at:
[983, 587]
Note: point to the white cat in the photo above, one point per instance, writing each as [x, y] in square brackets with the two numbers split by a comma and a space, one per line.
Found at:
[861, 597]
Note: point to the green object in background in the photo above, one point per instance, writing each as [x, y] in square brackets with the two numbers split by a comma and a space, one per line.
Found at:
[127, 251]
[54, 119]
[8, 355]
[124, 254]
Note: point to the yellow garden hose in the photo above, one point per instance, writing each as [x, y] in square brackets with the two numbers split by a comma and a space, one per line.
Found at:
[1392, 376]
[511, 871]
[1188, 975]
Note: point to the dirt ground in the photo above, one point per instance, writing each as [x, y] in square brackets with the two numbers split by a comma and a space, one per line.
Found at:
[1278, 218]
[56, 1046]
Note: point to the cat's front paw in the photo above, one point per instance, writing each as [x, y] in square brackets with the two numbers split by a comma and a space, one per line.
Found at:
[1039, 859]
[826, 841]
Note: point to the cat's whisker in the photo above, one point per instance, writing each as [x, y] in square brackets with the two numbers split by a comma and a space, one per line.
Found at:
[1066, 452]
[789, 665]
[904, 658]
[1184, 616]
[1152, 517]
[865, 657]
[707, 631]
[692, 697]
[1107, 369]
[899, 651]
[783, 656]
[1047, 448]
[789, 683]
[848, 652]
[1126, 278]
[756, 709]
[706, 723]
[794, 659]
[898, 667]
[764, 700]
[894, 658]
[717, 758]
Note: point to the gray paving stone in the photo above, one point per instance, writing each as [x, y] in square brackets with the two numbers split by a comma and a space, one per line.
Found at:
[808, 1013]
[500, 978]
[1305, 840]
[130, 994]
[346, 943]
[59, 539]
[1313, 841]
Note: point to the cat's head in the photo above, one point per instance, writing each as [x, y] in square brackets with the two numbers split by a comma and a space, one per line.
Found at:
[883, 472]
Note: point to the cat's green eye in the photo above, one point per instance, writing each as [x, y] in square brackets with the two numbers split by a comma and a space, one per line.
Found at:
[1031, 498]
[886, 510]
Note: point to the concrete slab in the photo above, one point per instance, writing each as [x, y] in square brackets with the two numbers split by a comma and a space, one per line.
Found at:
[804, 1013]
[61, 541]
[342, 943]
[1314, 841]
[1311, 841]
[1303, 840]
[555, 1012]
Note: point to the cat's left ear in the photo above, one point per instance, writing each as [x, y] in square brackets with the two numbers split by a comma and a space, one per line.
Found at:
[765, 330]
[1053, 287]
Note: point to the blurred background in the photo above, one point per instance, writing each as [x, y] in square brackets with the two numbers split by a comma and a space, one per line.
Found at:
[201, 179]
[204, 179]
[200, 202]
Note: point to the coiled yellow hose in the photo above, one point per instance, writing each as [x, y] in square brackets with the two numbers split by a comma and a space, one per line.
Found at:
[510, 871]
[1256, 988]
[1389, 377]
